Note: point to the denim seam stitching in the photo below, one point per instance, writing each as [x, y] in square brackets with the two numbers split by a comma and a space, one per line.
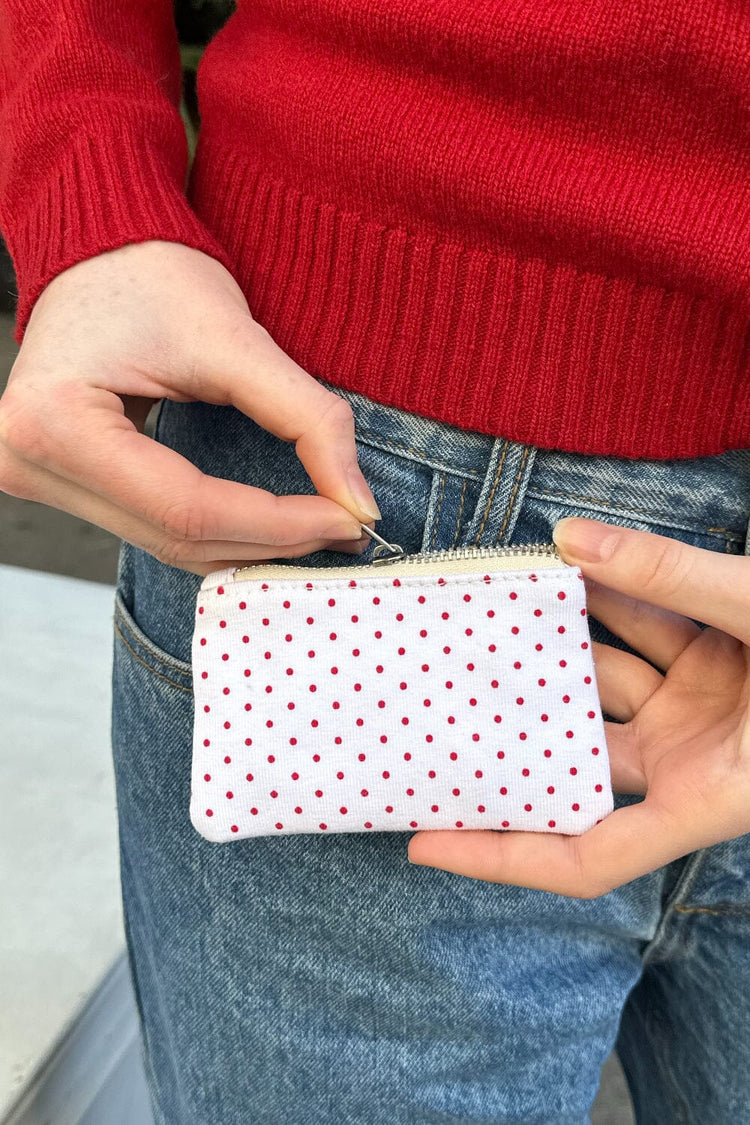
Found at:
[514, 492]
[458, 517]
[377, 440]
[495, 482]
[150, 667]
[436, 521]
[719, 910]
[683, 887]
[627, 507]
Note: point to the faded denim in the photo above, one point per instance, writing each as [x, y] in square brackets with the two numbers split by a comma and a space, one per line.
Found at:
[322, 980]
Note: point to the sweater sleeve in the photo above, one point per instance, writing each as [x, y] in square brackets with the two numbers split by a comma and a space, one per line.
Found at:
[94, 152]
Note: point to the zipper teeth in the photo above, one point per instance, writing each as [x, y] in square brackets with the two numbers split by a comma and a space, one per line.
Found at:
[545, 549]
[445, 554]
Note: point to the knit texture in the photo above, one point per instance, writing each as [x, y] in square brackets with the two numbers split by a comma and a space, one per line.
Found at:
[391, 704]
[531, 220]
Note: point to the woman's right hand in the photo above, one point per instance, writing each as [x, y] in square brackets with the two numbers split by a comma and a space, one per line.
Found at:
[114, 334]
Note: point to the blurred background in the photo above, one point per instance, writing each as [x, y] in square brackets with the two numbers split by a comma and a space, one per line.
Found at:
[69, 1046]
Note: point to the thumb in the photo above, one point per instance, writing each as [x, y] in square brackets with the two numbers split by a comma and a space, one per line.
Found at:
[705, 585]
[257, 377]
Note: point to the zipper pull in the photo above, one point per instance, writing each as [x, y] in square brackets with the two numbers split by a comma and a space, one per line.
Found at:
[378, 555]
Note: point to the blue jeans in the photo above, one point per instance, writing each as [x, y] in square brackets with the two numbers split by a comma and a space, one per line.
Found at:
[322, 980]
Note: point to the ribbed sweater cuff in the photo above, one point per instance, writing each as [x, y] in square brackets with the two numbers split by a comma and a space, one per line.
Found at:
[102, 195]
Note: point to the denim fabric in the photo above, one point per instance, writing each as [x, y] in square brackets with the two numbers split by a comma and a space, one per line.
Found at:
[313, 980]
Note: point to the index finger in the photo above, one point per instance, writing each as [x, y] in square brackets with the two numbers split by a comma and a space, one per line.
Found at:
[111, 458]
[708, 586]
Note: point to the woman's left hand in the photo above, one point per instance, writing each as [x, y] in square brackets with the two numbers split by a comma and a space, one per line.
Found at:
[684, 735]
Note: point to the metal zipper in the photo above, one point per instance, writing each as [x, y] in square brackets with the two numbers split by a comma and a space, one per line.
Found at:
[451, 559]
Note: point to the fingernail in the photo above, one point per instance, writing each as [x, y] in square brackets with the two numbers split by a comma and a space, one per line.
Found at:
[361, 495]
[584, 539]
[346, 529]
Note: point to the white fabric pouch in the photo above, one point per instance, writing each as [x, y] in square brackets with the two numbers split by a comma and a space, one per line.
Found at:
[451, 689]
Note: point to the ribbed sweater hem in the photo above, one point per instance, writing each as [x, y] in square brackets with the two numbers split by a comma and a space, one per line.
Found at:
[102, 196]
[531, 350]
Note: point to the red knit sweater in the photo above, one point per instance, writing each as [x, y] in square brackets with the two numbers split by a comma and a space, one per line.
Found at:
[525, 217]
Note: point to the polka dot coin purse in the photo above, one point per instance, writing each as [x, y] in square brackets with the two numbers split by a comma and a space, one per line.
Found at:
[452, 689]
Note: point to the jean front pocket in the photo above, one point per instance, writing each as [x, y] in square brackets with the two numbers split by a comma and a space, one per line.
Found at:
[173, 671]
